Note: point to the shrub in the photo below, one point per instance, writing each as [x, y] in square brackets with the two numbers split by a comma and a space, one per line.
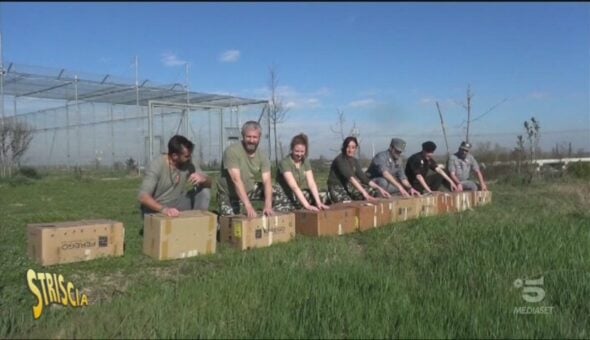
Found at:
[18, 180]
[579, 170]
[130, 164]
[29, 172]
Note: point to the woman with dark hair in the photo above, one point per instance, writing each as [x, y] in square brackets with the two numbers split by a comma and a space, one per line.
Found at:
[347, 180]
[296, 187]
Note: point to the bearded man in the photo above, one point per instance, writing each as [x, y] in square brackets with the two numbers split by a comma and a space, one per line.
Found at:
[245, 175]
[173, 182]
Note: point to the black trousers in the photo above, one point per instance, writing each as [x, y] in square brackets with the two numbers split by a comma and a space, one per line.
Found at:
[434, 181]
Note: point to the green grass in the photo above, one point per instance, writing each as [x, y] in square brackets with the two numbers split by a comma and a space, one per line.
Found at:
[439, 277]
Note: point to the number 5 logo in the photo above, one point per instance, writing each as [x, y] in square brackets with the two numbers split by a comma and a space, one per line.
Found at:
[532, 290]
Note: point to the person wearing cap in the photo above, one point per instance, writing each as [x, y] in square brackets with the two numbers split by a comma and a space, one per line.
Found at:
[347, 180]
[460, 166]
[387, 170]
[417, 170]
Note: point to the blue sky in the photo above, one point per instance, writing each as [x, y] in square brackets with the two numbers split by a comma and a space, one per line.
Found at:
[383, 64]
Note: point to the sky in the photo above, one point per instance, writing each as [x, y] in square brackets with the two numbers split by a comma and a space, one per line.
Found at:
[384, 65]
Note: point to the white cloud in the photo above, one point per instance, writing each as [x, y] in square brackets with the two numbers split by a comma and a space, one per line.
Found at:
[378, 92]
[362, 103]
[427, 100]
[230, 56]
[538, 95]
[322, 92]
[291, 98]
[170, 59]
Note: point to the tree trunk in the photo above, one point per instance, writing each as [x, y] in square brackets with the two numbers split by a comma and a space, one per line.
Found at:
[275, 138]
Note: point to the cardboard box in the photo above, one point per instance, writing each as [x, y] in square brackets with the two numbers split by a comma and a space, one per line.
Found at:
[428, 205]
[366, 214]
[246, 233]
[325, 222]
[481, 198]
[385, 211]
[463, 200]
[406, 208]
[65, 242]
[445, 203]
[192, 233]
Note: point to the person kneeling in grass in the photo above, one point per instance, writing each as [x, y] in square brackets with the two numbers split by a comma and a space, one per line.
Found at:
[420, 165]
[174, 182]
[296, 187]
[347, 181]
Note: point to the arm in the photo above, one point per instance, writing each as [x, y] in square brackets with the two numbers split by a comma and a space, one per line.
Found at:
[314, 190]
[267, 183]
[420, 179]
[440, 171]
[288, 175]
[241, 191]
[457, 181]
[393, 181]
[383, 192]
[362, 178]
[452, 166]
[148, 201]
[200, 179]
[414, 167]
[148, 187]
[381, 163]
[356, 183]
[411, 190]
[484, 187]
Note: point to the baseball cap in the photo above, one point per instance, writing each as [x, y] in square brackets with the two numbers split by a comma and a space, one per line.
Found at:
[465, 146]
[398, 144]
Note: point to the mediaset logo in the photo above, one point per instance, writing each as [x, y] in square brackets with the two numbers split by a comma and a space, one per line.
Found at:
[50, 288]
[532, 292]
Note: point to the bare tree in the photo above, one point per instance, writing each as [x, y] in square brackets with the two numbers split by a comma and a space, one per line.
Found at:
[467, 107]
[339, 128]
[15, 138]
[275, 109]
[442, 124]
[519, 150]
[533, 133]
[532, 129]
[356, 133]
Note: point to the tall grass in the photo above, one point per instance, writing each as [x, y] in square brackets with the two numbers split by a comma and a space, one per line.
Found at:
[437, 277]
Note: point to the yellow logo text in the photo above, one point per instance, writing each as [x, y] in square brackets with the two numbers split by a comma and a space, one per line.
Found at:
[50, 288]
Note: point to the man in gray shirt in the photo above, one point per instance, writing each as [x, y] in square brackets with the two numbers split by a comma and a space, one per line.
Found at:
[460, 165]
[387, 170]
[173, 182]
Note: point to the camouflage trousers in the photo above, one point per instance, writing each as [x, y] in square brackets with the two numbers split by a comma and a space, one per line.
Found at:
[287, 202]
[232, 206]
[339, 193]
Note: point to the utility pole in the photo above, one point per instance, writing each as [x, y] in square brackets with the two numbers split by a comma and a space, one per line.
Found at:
[469, 95]
[442, 124]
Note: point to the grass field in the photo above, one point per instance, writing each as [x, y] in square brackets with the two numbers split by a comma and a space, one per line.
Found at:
[440, 277]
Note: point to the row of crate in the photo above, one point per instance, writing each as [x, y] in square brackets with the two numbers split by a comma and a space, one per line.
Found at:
[342, 218]
[196, 232]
